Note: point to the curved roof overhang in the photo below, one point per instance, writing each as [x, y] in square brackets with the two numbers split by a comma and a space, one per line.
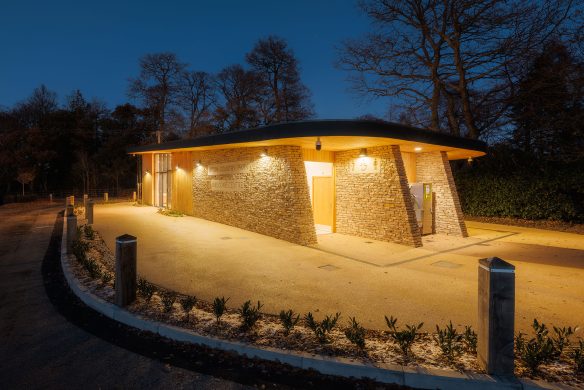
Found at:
[335, 135]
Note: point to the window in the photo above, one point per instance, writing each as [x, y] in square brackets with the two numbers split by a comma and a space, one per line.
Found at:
[162, 191]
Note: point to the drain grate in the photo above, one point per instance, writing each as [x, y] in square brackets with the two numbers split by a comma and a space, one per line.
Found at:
[446, 264]
[329, 267]
[226, 238]
[368, 242]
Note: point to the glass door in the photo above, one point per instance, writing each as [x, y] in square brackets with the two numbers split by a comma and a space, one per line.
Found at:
[163, 185]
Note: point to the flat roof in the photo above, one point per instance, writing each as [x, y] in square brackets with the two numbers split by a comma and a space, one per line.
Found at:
[335, 135]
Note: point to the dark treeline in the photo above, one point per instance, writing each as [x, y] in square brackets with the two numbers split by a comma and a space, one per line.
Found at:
[81, 145]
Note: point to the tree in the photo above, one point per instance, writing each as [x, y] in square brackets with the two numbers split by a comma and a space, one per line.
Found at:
[457, 57]
[157, 85]
[240, 91]
[25, 176]
[288, 99]
[548, 109]
[197, 95]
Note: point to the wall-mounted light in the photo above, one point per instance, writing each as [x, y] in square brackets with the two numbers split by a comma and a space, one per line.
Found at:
[469, 160]
[148, 172]
[177, 166]
[199, 163]
[318, 144]
[363, 152]
[417, 149]
[264, 152]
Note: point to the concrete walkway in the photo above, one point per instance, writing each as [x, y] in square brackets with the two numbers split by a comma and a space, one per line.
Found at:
[356, 276]
[39, 348]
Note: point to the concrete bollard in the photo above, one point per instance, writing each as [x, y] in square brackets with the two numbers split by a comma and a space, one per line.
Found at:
[51, 198]
[496, 316]
[126, 250]
[71, 232]
[69, 210]
[134, 196]
[105, 196]
[89, 212]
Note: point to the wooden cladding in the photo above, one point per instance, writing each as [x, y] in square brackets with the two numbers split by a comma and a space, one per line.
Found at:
[318, 155]
[182, 182]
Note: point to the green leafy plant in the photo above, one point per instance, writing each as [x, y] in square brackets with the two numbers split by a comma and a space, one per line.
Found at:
[168, 299]
[578, 356]
[249, 314]
[561, 338]
[449, 341]
[536, 351]
[288, 320]
[470, 339]
[356, 333]
[89, 232]
[92, 268]
[146, 289]
[321, 329]
[79, 249]
[187, 304]
[106, 277]
[219, 307]
[404, 338]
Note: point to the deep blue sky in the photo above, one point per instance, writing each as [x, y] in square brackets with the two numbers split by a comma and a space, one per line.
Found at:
[95, 45]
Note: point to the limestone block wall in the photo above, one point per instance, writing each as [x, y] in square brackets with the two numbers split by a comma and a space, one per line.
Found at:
[433, 167]
[267, 195]
[375, 205]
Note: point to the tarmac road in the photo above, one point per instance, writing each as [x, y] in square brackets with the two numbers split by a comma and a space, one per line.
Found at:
[39, 348]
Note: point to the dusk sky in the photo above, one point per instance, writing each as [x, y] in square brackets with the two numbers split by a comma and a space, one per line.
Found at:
[95, 46]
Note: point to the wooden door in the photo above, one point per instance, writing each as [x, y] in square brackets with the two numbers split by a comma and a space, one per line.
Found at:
[323, 200]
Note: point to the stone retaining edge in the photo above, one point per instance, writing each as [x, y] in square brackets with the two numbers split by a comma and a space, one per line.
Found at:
[338, 366]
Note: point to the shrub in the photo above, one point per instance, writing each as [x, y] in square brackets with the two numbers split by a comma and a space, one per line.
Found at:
[470, 339]
[146, 289]
[92, 268]
[288, 320]
[187, 304]
[536, 351]
[89, 232]
[168, 299]
[404, 338]
[106, 277]
[249, 314]
[449, 341]
[561, 338]
[80, 249]
[355, 333]
[219, 306]
[323, 328]
[578, 356]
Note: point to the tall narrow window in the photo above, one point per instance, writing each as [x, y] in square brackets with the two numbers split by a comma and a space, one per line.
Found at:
[162, 163]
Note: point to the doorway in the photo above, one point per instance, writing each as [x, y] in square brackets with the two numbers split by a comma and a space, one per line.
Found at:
[322, 194]
[163, 185]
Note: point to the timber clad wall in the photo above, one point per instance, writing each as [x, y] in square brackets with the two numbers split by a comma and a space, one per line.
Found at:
[182, 182]
[274, 201]
[147, 179]
[433, 167]
[376, 206]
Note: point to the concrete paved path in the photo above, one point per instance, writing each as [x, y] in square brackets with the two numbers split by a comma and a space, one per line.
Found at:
[39, 348]
[359, 277]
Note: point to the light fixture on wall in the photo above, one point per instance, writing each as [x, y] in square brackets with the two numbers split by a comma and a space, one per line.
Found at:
[417, 149]
[363, 152]
[469, 160]
[264, 152]
[148, 172]
[318, 144]
[198, 163]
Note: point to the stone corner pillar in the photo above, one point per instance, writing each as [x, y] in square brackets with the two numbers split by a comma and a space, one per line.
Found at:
[125, 287]
[496, 316]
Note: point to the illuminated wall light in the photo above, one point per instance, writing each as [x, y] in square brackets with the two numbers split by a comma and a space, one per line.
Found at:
[264, 152]
[363, 152]
[469, 160]
[148, 172]
[199, 164]
[417, 149]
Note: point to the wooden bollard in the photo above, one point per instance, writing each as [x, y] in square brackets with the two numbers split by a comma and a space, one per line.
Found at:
[69, 210]
[496, 316]
[51, 198]
[71, 231]
[85, 198]
[105, 196]
[126, 251]
[89, 212]
[134, 196]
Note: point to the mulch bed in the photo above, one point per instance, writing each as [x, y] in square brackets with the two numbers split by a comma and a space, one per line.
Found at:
[269, 332]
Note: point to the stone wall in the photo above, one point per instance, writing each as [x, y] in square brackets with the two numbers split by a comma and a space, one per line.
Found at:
[375, 205]
[273, 197]
[433, 167]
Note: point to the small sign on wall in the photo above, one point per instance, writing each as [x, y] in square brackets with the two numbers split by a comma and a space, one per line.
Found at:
[365, 165]
[227, 185]
[229, 168]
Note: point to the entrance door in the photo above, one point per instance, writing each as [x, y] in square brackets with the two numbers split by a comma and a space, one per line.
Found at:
[322, 200]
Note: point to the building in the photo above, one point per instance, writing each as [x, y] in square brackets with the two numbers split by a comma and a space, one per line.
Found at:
[371, 179]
